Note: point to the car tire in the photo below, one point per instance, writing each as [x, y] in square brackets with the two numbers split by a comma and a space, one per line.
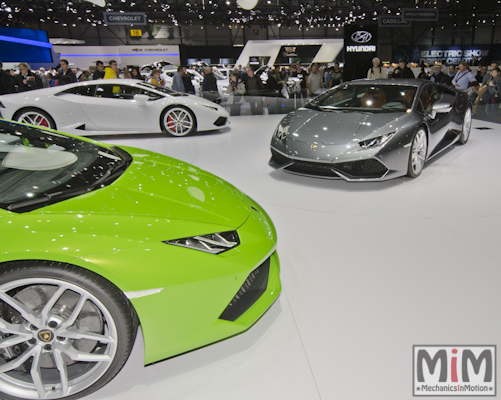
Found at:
[35, 116]
[466, 130]
[85, 333]
[417, 153]
[178, 121]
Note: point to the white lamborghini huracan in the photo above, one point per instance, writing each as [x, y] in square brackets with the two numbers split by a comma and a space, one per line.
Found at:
[105, 107]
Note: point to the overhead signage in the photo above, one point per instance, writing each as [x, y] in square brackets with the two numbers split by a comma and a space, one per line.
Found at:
[451, 54]
[125, 18]
[290, 51]
[361, 36]
[388, 21]
[289, 54]
[420, 14]
[136, 32]
[360, 47]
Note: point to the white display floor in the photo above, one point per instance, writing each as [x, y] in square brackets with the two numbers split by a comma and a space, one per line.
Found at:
[368, 270]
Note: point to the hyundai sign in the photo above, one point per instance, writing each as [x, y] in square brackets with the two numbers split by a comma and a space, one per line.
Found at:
[125, 18]
[360, 46]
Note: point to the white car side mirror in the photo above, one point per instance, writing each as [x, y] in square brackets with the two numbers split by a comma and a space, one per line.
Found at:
[141, 99]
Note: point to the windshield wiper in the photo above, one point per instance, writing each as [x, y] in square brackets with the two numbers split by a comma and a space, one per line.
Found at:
[314, 106]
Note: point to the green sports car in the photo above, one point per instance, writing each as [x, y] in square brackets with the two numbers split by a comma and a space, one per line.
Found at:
[97, 240]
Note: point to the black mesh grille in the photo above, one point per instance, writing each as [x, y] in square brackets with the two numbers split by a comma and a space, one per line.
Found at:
[278, 159]
[316, 169]
[371, 168]
[220, 121]
[252, 289]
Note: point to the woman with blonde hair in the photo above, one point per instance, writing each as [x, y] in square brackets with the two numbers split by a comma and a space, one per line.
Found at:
[376, 72]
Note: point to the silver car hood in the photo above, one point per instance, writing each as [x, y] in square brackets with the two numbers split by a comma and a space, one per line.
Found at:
[338, 127]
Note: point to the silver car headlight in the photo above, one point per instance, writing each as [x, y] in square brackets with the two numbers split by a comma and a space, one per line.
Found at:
[214, 243]
[282, 131]
[377, 141]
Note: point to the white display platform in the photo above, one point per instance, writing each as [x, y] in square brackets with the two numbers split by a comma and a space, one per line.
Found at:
[368, 271]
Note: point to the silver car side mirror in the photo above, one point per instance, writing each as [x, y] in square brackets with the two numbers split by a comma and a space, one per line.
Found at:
[442, 107]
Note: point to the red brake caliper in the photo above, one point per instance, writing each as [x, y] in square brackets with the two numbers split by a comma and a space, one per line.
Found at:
[170, 122]
[41, 121]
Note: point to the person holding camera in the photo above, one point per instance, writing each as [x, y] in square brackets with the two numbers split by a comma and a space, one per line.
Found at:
[236, 91]
[27, 80]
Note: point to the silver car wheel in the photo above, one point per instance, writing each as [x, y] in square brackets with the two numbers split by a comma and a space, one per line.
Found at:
[35, 118]
[418, 152]
[465, 134]
[57, 338]
[178, 121]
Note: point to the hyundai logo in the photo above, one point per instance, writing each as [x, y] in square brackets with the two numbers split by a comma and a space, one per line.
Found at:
[361, 36]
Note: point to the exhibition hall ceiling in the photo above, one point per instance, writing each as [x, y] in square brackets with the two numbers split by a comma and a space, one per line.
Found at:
[281, 13]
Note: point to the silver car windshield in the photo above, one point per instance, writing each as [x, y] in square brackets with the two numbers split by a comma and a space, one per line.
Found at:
[366, 98]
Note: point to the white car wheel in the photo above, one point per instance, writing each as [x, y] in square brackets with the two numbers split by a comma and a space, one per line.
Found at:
[178, 121]
[36, 117]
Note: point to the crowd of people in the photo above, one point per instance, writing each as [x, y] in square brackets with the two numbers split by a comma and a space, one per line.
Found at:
[484, 88]
[24, 79]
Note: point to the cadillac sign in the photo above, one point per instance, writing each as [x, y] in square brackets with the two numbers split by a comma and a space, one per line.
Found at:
[392, 20]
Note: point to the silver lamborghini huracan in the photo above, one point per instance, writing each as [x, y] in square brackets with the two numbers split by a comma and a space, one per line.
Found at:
[371, 130]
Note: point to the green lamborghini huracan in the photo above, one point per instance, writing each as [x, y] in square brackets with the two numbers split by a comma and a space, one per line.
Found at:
[97, 240]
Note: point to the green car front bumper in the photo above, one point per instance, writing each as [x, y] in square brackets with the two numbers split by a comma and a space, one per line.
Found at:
[195, 288]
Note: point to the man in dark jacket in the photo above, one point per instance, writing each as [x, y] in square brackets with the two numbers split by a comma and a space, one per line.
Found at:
[27, 80]
[209, 85]
[272, 91]
[99, 72]
[6, 82]
[254, 91]
[188, 85]
[65, 76]
[447, 78]
[402, 71]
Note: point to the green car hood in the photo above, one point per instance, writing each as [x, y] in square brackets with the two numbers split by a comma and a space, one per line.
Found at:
[159, 186]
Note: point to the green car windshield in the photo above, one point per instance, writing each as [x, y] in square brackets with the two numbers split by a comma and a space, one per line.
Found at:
[39, 167]
[370, 97]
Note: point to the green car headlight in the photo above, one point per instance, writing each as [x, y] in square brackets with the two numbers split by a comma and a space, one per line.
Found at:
[214, 243]
[377, 141]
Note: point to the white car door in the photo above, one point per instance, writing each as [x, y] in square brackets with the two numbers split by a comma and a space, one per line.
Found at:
[113, 108]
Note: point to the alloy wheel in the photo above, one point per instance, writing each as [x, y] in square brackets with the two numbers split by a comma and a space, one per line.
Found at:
[465, 134]
[56, 339]
[34, 118]
[419, 147]
[178, 121]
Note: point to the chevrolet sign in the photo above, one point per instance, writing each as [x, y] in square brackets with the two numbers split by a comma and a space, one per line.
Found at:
[125, 18]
